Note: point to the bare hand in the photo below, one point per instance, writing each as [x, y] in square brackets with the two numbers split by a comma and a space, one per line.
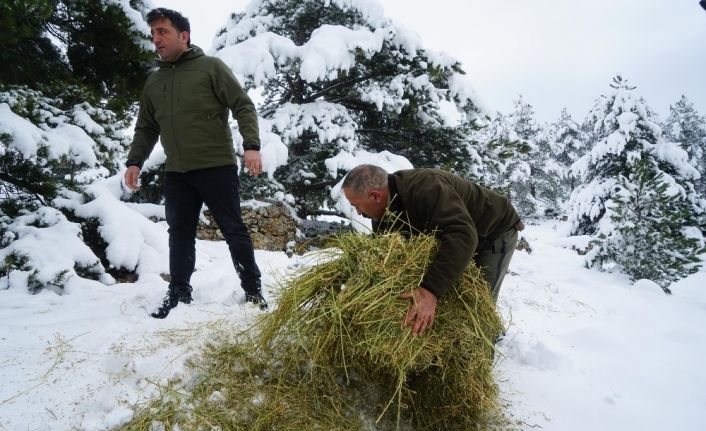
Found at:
[131, 176]
[253, 162]
[422, 311]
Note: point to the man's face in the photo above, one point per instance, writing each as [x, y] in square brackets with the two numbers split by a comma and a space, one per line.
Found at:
[371, 205]
[169, 42]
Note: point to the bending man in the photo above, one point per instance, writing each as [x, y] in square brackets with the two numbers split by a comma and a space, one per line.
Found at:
[470, 222]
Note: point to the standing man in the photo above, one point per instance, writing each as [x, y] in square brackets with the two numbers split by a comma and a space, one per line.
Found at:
[185, 102]
[470, 222]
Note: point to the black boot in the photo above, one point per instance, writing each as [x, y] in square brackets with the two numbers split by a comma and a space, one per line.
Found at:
[171, 300]
[256, 298]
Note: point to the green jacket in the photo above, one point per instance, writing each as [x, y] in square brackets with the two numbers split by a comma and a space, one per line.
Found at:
[462, 215]
[186, 104]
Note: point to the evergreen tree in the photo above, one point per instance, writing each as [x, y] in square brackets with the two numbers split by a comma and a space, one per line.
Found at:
[338, 77]
[491, 146]
[645, 235]
[71, 71]
[687, 127]
[101, 46]
[568, 143]
[532, 176]
[636, 195]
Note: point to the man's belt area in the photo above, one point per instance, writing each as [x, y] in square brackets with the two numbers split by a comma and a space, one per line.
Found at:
[487, 244]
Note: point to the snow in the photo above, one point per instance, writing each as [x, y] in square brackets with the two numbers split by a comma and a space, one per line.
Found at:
[584, 350]
[602, 353]
[331, 50]
[34, 239]
[26, 137]
[137, 22]
[71, 140]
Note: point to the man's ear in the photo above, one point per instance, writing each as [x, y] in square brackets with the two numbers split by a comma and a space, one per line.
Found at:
[375, 195]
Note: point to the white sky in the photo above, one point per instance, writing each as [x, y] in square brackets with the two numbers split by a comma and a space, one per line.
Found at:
[555, 53]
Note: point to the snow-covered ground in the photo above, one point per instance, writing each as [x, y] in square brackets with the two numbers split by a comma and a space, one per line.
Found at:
[584, 350]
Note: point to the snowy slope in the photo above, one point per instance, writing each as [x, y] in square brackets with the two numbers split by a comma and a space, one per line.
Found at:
[584, 350]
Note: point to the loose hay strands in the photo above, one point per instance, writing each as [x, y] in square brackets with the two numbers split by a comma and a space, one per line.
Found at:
[346, 314]
[333, 355]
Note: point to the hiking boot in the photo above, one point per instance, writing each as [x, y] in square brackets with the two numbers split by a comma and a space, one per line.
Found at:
[171, 300]
[256, 298]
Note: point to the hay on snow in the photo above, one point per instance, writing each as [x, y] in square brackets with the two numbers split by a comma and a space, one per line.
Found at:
[334, 355]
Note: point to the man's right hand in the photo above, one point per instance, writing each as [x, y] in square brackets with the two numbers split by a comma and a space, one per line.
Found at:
[131, 176]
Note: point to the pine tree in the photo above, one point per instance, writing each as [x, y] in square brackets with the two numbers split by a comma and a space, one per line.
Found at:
[492, 144]
[533, 177]
[71, 71]
[50, 151]
[338, 78]
[96, 45]
[646, 237]
[568, 143]
[636, 195]
[687, 127]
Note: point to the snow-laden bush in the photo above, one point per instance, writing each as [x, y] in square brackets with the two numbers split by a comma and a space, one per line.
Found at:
[636, 196]
[59, 195]
[43, 249]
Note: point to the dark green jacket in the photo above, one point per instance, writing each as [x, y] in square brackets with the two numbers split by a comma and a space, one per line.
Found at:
[186, 104]
[462, 215]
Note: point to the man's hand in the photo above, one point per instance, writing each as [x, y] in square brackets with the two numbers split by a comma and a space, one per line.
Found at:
[253, 162]
[131, 176]
[421, 312]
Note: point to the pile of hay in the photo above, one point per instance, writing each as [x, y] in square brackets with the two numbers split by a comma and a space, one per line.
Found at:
[334, 355]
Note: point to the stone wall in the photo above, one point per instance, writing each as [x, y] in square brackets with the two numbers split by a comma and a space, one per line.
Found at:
[271, 226]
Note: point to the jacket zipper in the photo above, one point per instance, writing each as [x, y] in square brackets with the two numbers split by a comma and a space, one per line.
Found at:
[172, 104]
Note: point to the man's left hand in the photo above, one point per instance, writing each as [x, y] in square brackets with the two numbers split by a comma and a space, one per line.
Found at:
[421, 312]
[253, 162]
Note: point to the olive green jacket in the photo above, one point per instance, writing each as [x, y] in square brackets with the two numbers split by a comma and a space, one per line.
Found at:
[462, 215]
[186, 104]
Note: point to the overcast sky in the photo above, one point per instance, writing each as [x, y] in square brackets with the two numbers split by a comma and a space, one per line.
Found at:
[554, 53]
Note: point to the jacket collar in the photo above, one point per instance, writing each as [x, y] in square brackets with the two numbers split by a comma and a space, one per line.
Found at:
[191, 53]
[395, 202]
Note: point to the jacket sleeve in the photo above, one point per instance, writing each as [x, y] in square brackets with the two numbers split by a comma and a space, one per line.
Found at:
[444, 213]
[231, 94]
[146, 134]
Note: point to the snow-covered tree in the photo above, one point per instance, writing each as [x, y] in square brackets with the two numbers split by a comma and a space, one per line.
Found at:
[568, 143]
[645, 235]
[687, 127]
[49, 150]
[50, 44]
[636, 196]
[491, 146]
[65, 96]
[337, 77]
[532, 175]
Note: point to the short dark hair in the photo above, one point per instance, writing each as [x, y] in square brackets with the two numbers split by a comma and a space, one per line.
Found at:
[180, 22]
[361, 179]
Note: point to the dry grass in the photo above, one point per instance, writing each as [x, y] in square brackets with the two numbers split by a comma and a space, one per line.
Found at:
[333, 355]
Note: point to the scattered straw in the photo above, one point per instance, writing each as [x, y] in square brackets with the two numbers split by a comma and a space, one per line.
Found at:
[333, 355]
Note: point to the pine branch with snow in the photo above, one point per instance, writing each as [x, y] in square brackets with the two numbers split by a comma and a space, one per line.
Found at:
[339, 78]
[686, 127]
[636, 195]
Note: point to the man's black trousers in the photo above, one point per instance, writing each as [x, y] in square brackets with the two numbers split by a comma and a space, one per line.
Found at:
[184, 194]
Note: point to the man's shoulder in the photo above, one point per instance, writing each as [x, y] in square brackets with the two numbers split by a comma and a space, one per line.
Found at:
[421, 175]
[154, 76]
[206, 62]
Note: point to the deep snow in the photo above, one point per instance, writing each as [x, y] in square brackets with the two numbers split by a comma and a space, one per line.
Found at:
[584, 350]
